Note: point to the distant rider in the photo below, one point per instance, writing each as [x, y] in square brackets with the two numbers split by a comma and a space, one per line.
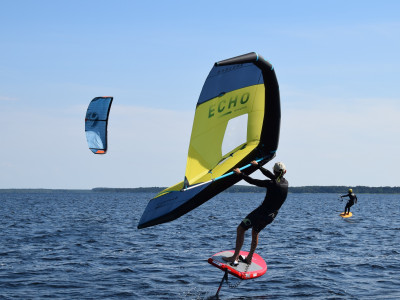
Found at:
[277, 190]
[352, 199]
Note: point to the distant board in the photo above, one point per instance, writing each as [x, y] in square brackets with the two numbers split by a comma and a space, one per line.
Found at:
[343, 215]
[257, 268]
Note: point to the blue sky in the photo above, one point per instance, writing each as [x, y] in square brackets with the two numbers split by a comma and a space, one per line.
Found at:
[337, 64]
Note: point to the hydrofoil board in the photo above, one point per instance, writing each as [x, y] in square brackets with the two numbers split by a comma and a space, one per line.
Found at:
[257, 268]
[344, 215]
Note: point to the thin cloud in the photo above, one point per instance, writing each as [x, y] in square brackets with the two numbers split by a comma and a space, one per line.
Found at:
[325, 144]
[5, 98]
[48, 149]
[342, 143]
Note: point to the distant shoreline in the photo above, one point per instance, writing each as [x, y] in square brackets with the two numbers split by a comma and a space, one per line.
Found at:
[233, 189]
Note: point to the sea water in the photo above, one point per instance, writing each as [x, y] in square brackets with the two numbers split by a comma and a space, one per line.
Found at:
[85, 245]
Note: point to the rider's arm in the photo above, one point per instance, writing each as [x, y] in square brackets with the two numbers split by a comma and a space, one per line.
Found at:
[257, 182]
[266, 173]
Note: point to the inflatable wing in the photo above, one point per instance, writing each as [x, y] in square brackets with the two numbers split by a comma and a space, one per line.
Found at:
[241, 86]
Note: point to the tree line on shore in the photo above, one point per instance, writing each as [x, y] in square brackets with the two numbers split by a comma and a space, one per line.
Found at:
[233, 189]
[253, 189]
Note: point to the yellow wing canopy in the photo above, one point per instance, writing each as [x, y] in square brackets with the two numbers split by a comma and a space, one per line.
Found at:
[245, 88]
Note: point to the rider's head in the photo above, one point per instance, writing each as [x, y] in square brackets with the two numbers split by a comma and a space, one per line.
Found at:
[279, 168]
[350, 190]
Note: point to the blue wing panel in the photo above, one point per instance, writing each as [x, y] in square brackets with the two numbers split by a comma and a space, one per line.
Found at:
[167, 207]
[224, 79]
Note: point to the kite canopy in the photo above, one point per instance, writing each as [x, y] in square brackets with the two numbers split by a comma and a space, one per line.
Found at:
[96, 122]
[243, 86]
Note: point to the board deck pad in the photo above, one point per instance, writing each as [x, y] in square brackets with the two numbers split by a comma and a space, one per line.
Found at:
[257, 268]
[343, 215]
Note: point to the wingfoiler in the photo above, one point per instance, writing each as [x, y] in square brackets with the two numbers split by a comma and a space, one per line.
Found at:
[244, 87]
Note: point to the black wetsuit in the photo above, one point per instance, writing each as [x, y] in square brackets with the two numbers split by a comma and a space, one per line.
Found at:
[350, 203]
[277, 191]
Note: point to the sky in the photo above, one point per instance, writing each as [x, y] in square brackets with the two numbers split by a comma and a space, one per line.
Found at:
[337, 64]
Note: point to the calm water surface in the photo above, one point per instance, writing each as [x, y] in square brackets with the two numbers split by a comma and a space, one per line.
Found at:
[86, 246]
